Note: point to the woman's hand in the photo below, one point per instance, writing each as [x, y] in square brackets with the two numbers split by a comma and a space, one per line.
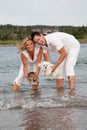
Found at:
[36, 73]
[26, 76]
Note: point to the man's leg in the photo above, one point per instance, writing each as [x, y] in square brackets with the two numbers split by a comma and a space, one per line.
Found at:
[59, 83]
[71, 80]
[70, 63]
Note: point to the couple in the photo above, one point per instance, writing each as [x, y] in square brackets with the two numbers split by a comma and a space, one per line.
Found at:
[64, 44]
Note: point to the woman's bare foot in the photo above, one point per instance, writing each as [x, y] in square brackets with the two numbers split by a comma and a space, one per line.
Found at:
[15, 87]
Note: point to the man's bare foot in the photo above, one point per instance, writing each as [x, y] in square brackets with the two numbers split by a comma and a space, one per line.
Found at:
[72, 92]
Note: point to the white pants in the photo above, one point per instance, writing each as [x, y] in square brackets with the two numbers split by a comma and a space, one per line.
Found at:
[19, 79]
[67, 66]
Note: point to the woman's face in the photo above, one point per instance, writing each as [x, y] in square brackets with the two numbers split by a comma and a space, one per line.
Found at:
[29, 46]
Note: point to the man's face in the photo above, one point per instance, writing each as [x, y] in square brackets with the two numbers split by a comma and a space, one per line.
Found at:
[39, 39]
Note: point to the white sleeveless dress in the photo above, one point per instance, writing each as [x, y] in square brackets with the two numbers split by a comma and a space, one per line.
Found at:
[31, 65]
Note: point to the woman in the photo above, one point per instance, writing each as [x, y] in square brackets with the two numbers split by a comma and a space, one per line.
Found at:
[31, 55]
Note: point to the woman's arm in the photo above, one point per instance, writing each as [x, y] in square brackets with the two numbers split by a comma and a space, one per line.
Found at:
[39, 57]
[46, 56]
[25, 65]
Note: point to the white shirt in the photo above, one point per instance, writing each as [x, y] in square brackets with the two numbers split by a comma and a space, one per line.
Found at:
[55, 41]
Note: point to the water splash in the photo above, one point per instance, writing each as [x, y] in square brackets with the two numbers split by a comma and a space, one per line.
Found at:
[44, 103]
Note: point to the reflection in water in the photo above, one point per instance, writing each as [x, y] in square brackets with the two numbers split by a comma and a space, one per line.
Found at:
[49, 119]
[32, 120]
[72, 93]
[35, 95]
[60, 91]
[17, 96]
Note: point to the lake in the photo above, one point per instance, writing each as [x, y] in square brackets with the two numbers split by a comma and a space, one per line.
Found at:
[44, 109]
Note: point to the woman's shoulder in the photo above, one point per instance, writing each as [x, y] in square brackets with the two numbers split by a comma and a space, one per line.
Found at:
[25, 53]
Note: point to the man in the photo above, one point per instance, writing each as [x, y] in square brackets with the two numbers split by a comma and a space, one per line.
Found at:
[68, 48]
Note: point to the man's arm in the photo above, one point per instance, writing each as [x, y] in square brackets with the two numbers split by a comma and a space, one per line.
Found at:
[62, 56]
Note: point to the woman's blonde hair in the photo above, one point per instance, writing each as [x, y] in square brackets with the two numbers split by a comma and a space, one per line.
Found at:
[22, 46]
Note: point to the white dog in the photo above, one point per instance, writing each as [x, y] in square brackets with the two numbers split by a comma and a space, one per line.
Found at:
[46, 68]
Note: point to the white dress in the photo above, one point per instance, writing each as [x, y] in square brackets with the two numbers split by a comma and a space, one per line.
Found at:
[31, 65]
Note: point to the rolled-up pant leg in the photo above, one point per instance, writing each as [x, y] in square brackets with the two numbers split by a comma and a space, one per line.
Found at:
[71, 60]
[20, 77]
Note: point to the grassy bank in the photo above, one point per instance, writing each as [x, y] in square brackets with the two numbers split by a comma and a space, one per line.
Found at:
[15, 42]
[9, 42]
[84, 40]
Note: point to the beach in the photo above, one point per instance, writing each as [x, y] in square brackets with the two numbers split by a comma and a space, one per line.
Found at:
[44, 109]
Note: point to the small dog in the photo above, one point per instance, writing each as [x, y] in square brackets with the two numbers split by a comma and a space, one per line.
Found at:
[46, 68]
[33, 79]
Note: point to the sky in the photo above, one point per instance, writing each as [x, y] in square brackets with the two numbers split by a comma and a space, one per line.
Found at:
[43, 12]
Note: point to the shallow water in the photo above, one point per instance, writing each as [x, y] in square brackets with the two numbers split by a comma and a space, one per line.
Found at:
[47, 108]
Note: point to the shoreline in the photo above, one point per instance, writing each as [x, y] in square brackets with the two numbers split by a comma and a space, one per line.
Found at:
[8, 45]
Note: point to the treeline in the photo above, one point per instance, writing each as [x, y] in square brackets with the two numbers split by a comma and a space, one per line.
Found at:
[14, 32]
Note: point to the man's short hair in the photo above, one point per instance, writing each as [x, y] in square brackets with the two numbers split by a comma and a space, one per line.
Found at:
[34, 33]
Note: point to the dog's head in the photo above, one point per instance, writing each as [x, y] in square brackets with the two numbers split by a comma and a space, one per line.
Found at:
[32, 77]
[44, 65]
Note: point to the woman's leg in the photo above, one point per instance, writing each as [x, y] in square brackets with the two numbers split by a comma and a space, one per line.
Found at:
[15, 87]
[17, 82]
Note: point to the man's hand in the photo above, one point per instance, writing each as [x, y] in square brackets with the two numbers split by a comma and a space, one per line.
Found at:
[53, 68]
